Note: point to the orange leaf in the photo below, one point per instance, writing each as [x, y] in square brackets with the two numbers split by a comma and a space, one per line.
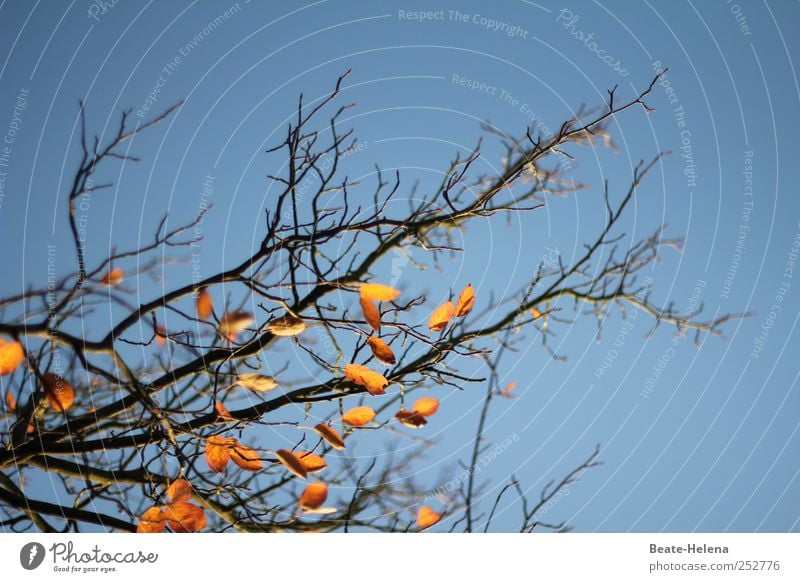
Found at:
[313, 496]
[371, 313]
[358, 416]
[222, 412]
[152, 521]
[426, 517]
[113, 278]
[466, 301]
[232, 323]
[246, 458]
[60, 393]
[180, 490]
[374, 382]
[204, 304]
[507, 390]
[161, 335]
[257, 382]
[426, 406]
[11, 356]
[329, 434]
[312, 462]
[11, 402]
[287, 326]
[441, 316]
[378, 292]
[382, 351]
[218, 452]
[535, 313]
[289, 460]
[410, 418]
[184, 517]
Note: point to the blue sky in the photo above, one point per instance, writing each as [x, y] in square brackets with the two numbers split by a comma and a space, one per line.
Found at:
[713, 446]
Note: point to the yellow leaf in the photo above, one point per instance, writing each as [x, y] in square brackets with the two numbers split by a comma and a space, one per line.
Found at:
[535, 313]
[426, 517]
[329, 434]
[11, 356]
[218, 452]
[180, 490]
[256, 382]
[204, 304]
[441, 316]
[378, 292]
[358, 416]
[426, 406]
[246, 458]
[113, 278]
[381, 350]
[153, 521]
[371, 313]
[183, 517]
[60, 393]
[410, 418]
[313, 496]
[292, 463]
[312, 462]
[465, 302]
[374, 382]
[287, 326]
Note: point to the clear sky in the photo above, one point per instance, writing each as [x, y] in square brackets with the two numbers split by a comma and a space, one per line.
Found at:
[692, 439]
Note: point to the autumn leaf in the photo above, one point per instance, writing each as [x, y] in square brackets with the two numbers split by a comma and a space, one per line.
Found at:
[222, 412]
[287, 326]
[374, 382]
[180, 490]
[314, 495]
[218, 452]
[289, 460]
[411, 419]
[152, 521]
[426, 517]
[204, 304]
[535, 313]
[256, 382]
[329, 434]
[60, 393]
[246, 458]
[381, 350]
[232, 323]
[113, 278]
[313, 463]
[11, 402]
[371, 313]
[11, 356]
[426, 406]
[183, 517]
[506, 393]
[441, 316]
[378, 292]
[160, 335]
[466, 301]
[358, 416]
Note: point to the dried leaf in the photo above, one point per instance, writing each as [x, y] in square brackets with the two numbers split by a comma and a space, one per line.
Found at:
[232, 323]
[506, 393]
[378, 292]
[314, 495]
[180, 490]
[371, 313]
[222, 412]
[426, 517]
[257, 382]
[329, 434]
[218, 452]
[374, 382]
[160, 335]
[312, 462]
[535, 313]
[113, 278]
[410, 418]
[11, 402]
[152, 521]
[441, 316]
[204, 304]
[289, 460]
[246, 458]
[381, 350]
[184, 517]
[466, 301]
[358, 416]
[426, 406]
[287, 326]
[11, 356]
[60, 393]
